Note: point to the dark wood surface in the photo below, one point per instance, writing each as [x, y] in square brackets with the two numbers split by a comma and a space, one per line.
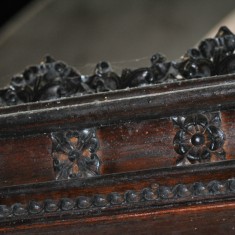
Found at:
[139, 188]
[79, 113]
[217, 218]
[25, 160]
[185, 213]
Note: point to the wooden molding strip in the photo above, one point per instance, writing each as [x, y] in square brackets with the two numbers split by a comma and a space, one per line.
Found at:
[155, 195]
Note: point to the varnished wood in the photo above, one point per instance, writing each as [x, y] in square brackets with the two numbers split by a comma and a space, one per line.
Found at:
[25, 160]
[130, 108]
[205, 219]
[138, 187]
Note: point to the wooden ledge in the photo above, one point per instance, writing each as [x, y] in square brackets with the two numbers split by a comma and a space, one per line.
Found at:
[152, 154]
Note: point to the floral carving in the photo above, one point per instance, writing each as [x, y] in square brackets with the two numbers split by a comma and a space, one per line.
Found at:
[199, 138]
[74, 154]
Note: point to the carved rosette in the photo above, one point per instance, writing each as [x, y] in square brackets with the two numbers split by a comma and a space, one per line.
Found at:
[74, 154]
[199, 138]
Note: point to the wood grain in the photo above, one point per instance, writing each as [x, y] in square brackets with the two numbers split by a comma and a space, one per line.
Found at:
[25, 160]
[140, 189]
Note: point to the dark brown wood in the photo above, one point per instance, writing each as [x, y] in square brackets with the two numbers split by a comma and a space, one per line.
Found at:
[25, 160]
[131, 108]
[123, 150]
[126, 147]
[217, 218]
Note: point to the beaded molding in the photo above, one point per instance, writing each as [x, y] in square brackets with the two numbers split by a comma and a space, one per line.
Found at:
[156, 194]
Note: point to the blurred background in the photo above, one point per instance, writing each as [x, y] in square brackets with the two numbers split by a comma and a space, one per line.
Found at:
[83, 32]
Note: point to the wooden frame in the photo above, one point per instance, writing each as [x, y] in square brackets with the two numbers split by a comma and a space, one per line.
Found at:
[139, 186]
[99, 155]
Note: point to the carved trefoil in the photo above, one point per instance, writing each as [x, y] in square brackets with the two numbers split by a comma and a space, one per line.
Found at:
[74, 154]
[199, 138]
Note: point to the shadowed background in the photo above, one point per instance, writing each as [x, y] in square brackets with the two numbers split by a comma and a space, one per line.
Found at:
[125, 32]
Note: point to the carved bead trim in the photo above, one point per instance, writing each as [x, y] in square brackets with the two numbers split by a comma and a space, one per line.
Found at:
[199, 138]
[74, 154]
[155, 194]
[54, 79]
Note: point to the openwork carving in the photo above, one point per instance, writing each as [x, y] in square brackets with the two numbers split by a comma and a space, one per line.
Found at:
[199, 138]
[74, 154]
[54, 79]
[154, 195]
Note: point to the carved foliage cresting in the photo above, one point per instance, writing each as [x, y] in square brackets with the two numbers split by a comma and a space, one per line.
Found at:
[74, 154]
[54, 79]
[199, 138]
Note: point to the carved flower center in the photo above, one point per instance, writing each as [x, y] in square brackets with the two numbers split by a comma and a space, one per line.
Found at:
[198, 139]
[73, 155]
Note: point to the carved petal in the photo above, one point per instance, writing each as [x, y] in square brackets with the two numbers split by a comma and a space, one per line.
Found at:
[201, 120]
[190, 120]
[205, 154]
[89, 166]
[178, 121]
[215, 120]
[181, 146]
[216, 137]
[194, 154]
